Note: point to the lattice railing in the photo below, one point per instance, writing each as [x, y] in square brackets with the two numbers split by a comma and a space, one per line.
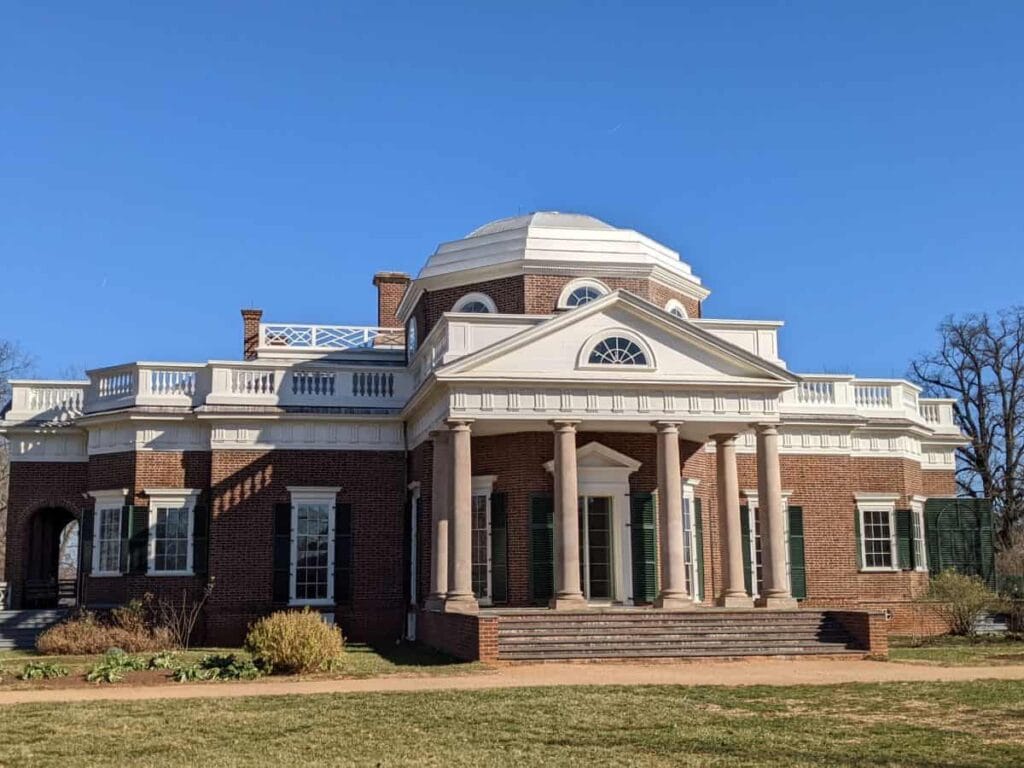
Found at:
[328, 337]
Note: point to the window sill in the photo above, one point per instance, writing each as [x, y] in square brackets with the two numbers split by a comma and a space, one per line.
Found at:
[311, 603]
[879, 570]
[151, 572]
[105, 574]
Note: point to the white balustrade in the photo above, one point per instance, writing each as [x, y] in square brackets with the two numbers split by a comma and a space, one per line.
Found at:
[375, 384]
[328, 337]
[872, 395]
[116, 384]
[313, 383]
[252, 381]
[816, 392]
[171, 381]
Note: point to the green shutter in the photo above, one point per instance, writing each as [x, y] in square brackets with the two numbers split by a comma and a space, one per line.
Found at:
[499, 548]
[342, 554]
[905, 539]
[85, 532]
[644, 550]
[698, 529]
[858, 532]
[797, 561]
[138, 541]
[542, 548]
[201, 540]
[745, 538]
[281, 589]
[959, 536]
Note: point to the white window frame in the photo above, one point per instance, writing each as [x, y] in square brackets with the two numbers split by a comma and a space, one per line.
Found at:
[917, 513]
[753, 510]
[483, 298]
[674, 305]
[583, 361]
[114, 499]
[483, 485]
[690, 498]
[583, 282]
[312, 495]
[412, 337]
[171, 498]
[877, 502]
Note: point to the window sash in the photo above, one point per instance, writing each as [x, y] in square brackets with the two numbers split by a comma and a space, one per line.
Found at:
[878, 539]
[917, 532]
[312, 552]
[107, 544]
[481, 546]
[170, 538]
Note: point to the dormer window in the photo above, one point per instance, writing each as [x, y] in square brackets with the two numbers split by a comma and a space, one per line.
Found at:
[479, 303]
[675, 307]
[580, 292]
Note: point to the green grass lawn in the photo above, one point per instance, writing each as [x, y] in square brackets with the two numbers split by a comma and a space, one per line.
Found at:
[898, 724]
[958, 651]
[358, 661]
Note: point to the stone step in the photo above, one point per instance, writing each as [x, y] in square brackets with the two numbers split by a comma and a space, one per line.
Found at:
[618, 642]
[19, 629]
[677, 654]
[831, 637]
[640, 613]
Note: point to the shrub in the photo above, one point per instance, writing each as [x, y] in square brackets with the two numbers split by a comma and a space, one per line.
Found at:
[960, 599]
[86, 634]
[113, 667]
[228, 666]
[164, 660]
[294, 641]
[43, 670]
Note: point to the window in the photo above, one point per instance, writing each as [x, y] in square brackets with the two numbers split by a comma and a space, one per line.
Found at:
[411, 337]
[617, 350]
[675, 307]
[171, 513]
[756, 551]
[877, 538]
[107, 532]
[312, 546]
[481, 537]
[108, 541]
[580, 292]
[690, 542]
[479, 303]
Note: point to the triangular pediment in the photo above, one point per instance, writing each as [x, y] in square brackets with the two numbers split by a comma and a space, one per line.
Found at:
[597, 456]
[674, 350]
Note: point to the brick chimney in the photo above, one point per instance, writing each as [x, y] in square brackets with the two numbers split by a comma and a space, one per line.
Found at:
[250, 332]
[390, 289]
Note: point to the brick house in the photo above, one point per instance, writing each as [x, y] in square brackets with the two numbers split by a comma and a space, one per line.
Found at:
[544, 417]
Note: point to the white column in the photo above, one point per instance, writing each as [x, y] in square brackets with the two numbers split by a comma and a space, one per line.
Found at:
[773, 526]
[734, 594]
[460, 587]
[673, 594]
[568, 595]
[439, 512]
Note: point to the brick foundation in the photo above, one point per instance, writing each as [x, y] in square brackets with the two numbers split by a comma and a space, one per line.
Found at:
[867, 628]
[469, 638]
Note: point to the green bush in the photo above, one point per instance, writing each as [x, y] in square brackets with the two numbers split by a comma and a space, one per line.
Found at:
[43, 670]
[227, 666]
[294, 641]
[113, 667]
[86, 634]
[961, 600]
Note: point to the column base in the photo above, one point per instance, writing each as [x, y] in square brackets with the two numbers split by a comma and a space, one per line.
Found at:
[735, 601]
[674, 602]
[434, 603]
[568, 603]
[776, 602]
[461, 604]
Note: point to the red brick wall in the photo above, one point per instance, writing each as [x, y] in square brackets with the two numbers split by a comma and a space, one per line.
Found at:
[469, 638]
[245, 487]
[938, 482]
[536, 295]
[390, 289]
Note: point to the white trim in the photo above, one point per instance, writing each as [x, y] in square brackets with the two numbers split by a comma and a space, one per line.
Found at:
[414, 501]
[171, 498]
[483, 298]
[672, 305]
[326, 495]
[877, 502]
[917, 512]
[107, 500]
[483, 485]
[693, 572]
[582, 282]
[753, 512]
[412, 337]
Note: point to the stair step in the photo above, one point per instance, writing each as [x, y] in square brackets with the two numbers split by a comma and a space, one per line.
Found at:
[662, 639]
[669, 654]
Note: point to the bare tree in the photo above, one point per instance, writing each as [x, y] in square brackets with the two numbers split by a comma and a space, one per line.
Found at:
[980, 364]
[14, 362]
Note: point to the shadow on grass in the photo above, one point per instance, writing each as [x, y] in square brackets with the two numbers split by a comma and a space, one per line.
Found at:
[406, 654]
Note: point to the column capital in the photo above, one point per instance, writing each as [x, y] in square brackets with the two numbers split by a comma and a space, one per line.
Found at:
[725, 438]
[438, 434]
[667, 426]
[767, 428]
[564, 425]
[458, 425]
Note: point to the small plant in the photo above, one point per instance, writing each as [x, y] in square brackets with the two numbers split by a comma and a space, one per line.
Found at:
[113, 667]
[961, 600]
[43, 670]
[179, 617]
[228, 666]
[164, 660]
[294, 641]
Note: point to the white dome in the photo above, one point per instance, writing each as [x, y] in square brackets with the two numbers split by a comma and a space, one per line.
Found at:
[550, 219]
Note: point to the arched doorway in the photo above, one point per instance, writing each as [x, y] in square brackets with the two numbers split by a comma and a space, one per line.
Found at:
[51, 575]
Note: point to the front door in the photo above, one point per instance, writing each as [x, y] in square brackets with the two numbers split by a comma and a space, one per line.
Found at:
[596, 575]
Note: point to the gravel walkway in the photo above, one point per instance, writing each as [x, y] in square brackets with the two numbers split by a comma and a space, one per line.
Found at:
[754, 672]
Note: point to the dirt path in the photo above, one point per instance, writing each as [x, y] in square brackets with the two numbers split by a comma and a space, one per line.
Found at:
[758, 672]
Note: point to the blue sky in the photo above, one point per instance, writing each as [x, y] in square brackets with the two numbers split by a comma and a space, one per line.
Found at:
[854, 169]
